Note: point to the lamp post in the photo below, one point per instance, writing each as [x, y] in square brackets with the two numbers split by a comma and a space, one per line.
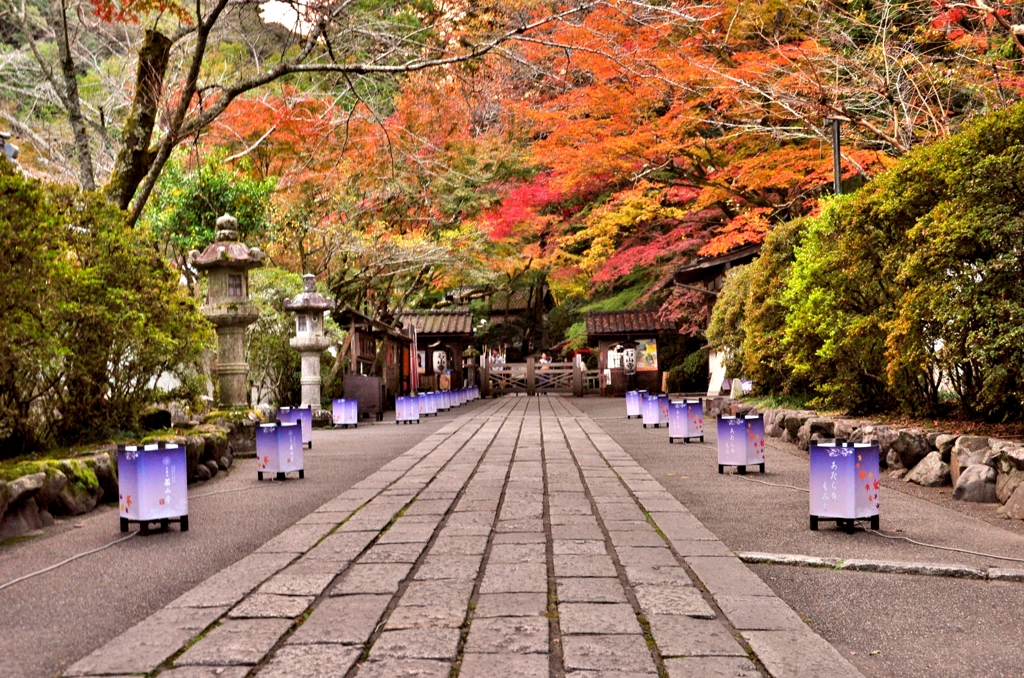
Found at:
[837, 159]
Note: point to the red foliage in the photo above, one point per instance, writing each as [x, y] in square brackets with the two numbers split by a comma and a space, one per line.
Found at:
[745, 229]
[521, 208]
[129, 11]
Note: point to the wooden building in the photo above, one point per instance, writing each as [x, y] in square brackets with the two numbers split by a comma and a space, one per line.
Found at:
[442, 336]
[708, 276]
[616, 331]
[517, 320]
[380, 362]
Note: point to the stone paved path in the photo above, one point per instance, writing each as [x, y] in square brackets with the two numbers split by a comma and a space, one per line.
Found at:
[519, 540]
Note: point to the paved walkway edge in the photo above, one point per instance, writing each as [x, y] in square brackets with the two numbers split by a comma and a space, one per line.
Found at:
[785, 648]
[519, 535]
[886, 566]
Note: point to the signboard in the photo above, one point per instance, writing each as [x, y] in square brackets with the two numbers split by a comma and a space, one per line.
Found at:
[844, 483]
[686, 420]
[740, 442]
[646, 355]
[279, 449]
[345, 413]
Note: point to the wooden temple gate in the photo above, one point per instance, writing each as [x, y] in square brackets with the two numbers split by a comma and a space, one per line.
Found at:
[532, 378]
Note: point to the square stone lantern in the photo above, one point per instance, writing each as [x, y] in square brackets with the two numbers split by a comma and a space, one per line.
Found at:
[227, 262]
[309, 339]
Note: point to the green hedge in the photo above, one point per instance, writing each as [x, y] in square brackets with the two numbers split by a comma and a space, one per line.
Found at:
[91, 316]
[907, 294]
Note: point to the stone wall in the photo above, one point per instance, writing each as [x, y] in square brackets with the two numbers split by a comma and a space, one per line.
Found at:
[980, 469]
[70, 487]
[65, 487]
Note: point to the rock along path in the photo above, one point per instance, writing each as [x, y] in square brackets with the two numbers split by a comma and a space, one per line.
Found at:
[518, 540]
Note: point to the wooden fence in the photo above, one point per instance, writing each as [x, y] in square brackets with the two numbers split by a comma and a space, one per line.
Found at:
[532, 378]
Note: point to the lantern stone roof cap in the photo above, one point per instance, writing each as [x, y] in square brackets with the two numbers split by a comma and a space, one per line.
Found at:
[309, 299]
[227, 251]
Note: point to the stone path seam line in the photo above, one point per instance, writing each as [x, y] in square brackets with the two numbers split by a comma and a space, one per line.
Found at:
[399, 597]
[136, 650]
[795, 653]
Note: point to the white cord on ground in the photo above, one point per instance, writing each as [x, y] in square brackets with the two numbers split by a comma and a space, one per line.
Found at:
[944, 548]
[894, 536]
[765, 482]
[65, 562]
[106, 546]
[237, 489]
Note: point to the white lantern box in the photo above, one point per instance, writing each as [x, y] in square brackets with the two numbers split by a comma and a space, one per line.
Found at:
[345, 412]
[303, 416]
[686, 420]
[407, 410]
[474, 393]
[152, 485]
[428, 404]
[740, 442]
[844, 483]
[655, 411]
[634, 404]
[445, 403]
[279, 450]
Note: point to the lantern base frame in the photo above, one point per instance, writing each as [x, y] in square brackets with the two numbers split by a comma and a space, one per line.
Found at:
[281, 475]
[685, 439]
[164, 524]
[740, 468]
[844, 524]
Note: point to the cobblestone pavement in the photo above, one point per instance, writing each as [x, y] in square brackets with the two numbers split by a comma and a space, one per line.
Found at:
[519, 540]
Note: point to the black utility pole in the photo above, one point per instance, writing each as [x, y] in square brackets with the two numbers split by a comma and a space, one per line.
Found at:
[837, 159]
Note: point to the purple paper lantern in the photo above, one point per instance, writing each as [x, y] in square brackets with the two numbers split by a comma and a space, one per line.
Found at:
[844, 483]
[279, 450]
[345, 412]
[303, 416]
[740, 442]
[152, 485]
[686, 421]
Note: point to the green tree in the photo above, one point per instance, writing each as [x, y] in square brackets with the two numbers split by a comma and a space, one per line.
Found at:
[92, 316]
[275, 368]
[190, 197]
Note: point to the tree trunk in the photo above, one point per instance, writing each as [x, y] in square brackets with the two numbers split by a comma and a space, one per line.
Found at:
[73, 103]
[135, 157]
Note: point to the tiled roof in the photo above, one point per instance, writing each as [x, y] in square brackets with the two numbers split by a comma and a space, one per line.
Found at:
[519, 300]
[439, 321]
[625, 322]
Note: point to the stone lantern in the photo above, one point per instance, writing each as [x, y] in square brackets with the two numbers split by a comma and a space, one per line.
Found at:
[227, 262]
[309, 339]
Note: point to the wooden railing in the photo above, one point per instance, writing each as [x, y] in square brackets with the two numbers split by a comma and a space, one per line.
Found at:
[532, 377]
[506, 378]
